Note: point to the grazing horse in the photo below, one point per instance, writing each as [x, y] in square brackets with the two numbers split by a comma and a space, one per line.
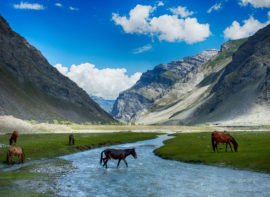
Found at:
[15, 151]
[13, 138]
[220, 137]
[71, 139]
[117, 154]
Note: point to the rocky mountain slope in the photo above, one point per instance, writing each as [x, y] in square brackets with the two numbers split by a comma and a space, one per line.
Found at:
[241, 93]
[107, 105]
[30, 88]
[191, 89]
[231, 89]
[153, 84]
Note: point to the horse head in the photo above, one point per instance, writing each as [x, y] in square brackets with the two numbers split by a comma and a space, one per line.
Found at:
[133, 153]
[235, 144]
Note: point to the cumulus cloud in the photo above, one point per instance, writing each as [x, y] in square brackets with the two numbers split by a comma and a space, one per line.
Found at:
[142, 49]
[181, 11]
[215, 7]
[171, 28]
[29, 6]
[138, 21]
[250, 26]
[58, 4]
[106, 83]
[256, 3]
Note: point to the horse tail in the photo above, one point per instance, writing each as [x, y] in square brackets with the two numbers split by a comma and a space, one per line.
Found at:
[23, 156]
[101, 157]
[213, 141]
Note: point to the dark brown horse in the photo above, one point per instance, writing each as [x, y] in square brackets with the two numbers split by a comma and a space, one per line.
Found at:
[71, 139]
[220, 137]
[15, 151]
[117, 154]
[13, 138]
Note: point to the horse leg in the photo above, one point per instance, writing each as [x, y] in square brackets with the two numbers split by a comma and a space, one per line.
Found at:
[105, 163]
[231, 147]
[118, 163]
[125, 162]
[216, 146]
[226, 147]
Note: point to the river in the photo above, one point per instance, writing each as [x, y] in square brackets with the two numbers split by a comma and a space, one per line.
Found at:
[149, 175]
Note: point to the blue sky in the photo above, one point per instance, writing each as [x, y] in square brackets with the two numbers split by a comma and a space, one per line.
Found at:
[71, 32]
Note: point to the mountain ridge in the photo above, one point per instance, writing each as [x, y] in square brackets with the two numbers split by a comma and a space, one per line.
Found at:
[33, 89]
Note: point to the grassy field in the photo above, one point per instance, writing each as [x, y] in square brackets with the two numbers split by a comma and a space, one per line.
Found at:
[253, 151]
[45, 146]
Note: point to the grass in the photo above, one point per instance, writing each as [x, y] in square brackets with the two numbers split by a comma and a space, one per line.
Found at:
[45, 146]
[253, 151]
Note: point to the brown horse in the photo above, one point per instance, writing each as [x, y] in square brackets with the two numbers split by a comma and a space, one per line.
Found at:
[13, 138]
[117, 154]
[220, 137]
[15, 151]
[71, 139]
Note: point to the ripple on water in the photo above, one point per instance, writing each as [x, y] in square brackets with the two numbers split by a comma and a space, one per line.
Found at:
[150, 175]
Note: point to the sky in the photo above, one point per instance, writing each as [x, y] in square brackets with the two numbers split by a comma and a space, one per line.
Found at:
[105, 45]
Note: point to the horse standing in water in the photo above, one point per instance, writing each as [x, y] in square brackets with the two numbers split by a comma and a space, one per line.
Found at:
[71, 139]
[15, 151]
[117, 154]
[13, 138]
[220, 137]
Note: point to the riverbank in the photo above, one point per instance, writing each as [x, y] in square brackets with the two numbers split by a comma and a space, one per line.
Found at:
[46, 146]
[253, 151]
[36, 177]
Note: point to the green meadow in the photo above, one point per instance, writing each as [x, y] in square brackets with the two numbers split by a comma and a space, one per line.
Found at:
[253, 151]
[46, 146]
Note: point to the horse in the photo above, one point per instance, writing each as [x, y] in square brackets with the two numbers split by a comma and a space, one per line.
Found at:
[14, 137]
[71, 139]
[220, 137]
[15, 151]
[117, 154]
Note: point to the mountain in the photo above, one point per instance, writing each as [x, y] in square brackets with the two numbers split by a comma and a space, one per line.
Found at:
[233, 88]
[107, 105]
[241, 94]
[32, 89]
[191, 89]
[153, 84]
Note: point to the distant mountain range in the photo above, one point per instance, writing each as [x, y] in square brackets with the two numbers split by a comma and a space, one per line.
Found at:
[107, 105]
[230, 86]
[32, 89]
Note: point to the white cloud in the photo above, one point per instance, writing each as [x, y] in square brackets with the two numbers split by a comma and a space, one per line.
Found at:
[73, 9]
[106, 83]
[170, 28]
[138, 21]
[142, 49]
[29, 6]
[181, 11]
[58, 4]
[63, 70]
[160, 3]
[256, 3]
[215, 7]
[250, 26]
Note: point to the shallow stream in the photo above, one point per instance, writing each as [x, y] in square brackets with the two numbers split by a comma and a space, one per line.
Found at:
[149, 175]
